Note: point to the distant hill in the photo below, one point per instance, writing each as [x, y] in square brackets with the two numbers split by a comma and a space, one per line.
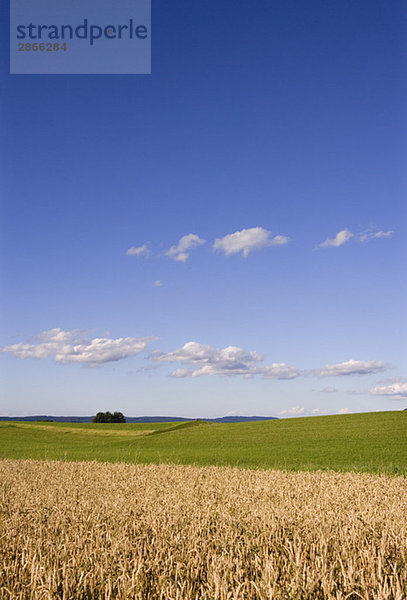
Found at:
[229, 419]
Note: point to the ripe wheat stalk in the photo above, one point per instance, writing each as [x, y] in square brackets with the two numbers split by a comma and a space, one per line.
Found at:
[74, 531]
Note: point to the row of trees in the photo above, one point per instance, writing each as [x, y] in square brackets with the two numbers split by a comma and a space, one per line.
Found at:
[108, 417]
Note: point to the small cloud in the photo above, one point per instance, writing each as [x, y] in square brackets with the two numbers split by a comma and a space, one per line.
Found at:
[280, 240]
[187, 242]
[294, 411]
[247, 240]
[330, 389]
[180, 373]
[57, 335]
[279, 371]
[345, 235]
[396, 390]
[343, 411]
[350, 367]
[140, 251]
[341, 238]
[389, 380]
[372, 233]
[158, 283]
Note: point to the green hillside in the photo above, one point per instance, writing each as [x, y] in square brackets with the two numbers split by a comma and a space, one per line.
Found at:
[372, 442]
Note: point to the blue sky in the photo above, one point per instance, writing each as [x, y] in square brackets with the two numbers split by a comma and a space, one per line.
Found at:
[281, 122]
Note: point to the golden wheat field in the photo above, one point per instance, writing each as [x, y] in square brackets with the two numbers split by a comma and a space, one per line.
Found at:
[92, 530]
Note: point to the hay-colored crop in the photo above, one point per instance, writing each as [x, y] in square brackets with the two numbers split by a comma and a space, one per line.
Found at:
[72, 531]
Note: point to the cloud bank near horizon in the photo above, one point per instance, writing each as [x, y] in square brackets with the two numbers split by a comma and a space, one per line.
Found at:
[396, 390]
[195, 359]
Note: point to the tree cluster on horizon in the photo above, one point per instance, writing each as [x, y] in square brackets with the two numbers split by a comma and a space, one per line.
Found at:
[108, 417]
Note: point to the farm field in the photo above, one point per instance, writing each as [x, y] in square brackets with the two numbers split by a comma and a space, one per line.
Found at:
[81, 530]
[75, 526]
[369, 442]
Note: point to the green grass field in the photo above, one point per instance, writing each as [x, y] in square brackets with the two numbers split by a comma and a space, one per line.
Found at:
[370, 442]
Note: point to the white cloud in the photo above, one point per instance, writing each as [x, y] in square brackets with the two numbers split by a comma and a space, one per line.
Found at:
[140, 251]
[280, 240]
[345, 235]
[101, 350]
[343, 411]
[350, 367]
[279, 371]
[247, 240]
[373, 233]
[210, 361]
[330, 389]
[180, 373]
[231, 360]
[187, 242]
[57, 335]
[67, 347]
[293, 411]
[341, 238]
[49, 344]
[158, 283]
[396, 390]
